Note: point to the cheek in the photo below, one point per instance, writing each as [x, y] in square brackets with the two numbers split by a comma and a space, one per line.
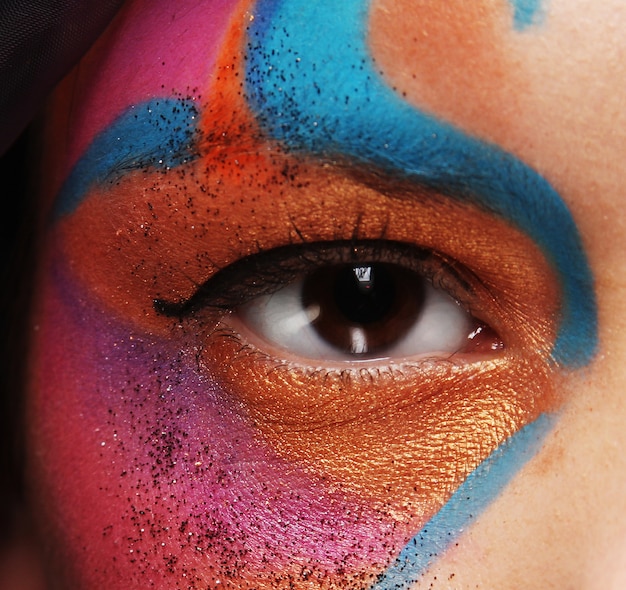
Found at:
[145, 468]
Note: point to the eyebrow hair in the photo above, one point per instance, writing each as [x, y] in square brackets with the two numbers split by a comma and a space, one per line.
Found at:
[316, 89]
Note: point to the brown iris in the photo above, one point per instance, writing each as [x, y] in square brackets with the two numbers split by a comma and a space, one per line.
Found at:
[363, 309]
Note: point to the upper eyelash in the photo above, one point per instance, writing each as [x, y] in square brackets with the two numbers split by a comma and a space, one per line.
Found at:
[267, 272]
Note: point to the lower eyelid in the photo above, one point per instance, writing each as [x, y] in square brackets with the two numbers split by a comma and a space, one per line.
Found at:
[326, 421]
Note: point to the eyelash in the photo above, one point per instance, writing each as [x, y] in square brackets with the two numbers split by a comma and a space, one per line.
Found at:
[255, 275]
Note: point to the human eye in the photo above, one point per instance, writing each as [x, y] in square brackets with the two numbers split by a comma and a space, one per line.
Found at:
[323, 399]
[342, 303]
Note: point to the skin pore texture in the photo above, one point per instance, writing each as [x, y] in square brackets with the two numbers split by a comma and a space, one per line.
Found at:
[204, 156]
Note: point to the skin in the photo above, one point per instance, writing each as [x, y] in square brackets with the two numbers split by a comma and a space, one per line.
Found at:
[195, 454]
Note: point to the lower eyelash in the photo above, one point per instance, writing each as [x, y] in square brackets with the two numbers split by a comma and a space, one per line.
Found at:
[348, 374]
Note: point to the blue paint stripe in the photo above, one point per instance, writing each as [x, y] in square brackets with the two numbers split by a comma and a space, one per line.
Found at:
[159, 133]
[481, 487]
[312, 84]
[526, 13]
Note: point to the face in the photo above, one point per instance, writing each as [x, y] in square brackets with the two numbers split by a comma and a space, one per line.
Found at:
[332, 296]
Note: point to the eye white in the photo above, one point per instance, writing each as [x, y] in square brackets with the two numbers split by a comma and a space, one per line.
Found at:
[441, 327]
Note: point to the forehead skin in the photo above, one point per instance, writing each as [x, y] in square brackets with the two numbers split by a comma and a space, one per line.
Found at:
[553, 95]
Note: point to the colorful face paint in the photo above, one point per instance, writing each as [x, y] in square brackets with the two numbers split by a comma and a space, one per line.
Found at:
[158, 134]
[365, 119]
[526, 13]
[218, 461]
[472, 497]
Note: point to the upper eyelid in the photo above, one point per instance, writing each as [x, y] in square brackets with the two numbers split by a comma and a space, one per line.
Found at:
[267, 272]
[166, 235]
[555, 223]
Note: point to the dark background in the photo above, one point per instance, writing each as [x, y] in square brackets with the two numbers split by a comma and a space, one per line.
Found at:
[40, 41]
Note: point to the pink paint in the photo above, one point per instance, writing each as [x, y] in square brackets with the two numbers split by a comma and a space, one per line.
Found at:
[172, 48]
[147, 459]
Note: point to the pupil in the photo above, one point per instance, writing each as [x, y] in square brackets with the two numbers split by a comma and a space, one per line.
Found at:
[364, 294]
[362, 310]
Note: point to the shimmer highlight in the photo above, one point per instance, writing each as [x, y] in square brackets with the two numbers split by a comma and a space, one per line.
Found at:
[471, 498]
